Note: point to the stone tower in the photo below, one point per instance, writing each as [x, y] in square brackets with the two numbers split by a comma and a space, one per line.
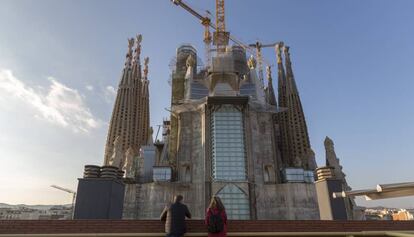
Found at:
[295, 146]
[333, 161]
[130, 117]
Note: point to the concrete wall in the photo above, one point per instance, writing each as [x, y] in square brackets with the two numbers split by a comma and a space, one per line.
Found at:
[153, 197]
[269, 199]
[289, 201]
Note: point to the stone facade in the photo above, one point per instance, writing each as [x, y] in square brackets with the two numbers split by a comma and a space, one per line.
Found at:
[225, 137]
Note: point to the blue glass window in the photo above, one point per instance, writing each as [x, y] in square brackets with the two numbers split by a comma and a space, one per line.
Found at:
[228, 151]
[162, 174]
[236, 202]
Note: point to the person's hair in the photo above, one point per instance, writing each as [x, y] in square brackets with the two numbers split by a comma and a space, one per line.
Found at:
[178, 198]
[216, 203]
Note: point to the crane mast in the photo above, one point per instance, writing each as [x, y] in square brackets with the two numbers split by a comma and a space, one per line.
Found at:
[221, 36]
[259, 57]
[205, 21]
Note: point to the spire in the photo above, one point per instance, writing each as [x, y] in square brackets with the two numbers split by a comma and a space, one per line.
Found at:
[126, 73]
[283, 117]
[137, 54]
[271, 98]
[129, 115]
[295, 143]
[136, 62]
[144, 101]
[290, 79]
[251, 63]
[281, 75]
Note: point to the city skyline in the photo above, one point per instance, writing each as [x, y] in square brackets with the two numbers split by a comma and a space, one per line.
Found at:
[57, 85]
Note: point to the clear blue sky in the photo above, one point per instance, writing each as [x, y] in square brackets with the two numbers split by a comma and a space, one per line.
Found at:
[60, 60]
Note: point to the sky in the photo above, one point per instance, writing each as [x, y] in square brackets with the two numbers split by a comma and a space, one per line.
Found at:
[60, 63]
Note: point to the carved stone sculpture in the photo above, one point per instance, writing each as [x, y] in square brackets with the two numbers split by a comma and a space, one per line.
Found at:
[190, 62]
[251, 63]
[129, 163]
[189, 76]
[146, 61]
[117, 154]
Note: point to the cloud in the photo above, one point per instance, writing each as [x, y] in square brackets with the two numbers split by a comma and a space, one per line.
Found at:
[109, 94]
[89, 88]
[59, 104]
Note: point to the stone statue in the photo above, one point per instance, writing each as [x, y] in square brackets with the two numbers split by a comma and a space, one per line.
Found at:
[251, 63]
[190, 62]
[117, 154]
[189, 76]
[129, 163]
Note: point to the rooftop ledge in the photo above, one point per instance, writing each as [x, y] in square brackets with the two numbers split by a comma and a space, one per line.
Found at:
[197, 228]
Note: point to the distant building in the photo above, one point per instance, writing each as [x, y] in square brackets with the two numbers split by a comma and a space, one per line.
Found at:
[383, 213]
[25, 213]
[402, 215]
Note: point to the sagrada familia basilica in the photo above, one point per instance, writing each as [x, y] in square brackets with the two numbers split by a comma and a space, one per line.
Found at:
[227, 135]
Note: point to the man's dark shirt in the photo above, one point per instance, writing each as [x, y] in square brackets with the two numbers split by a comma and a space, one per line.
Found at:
[174, 215]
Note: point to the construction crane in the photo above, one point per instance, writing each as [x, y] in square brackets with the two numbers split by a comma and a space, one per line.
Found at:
[205, 21]
[221, 37]
[158, 131]
[259, 57]
[68, 191]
